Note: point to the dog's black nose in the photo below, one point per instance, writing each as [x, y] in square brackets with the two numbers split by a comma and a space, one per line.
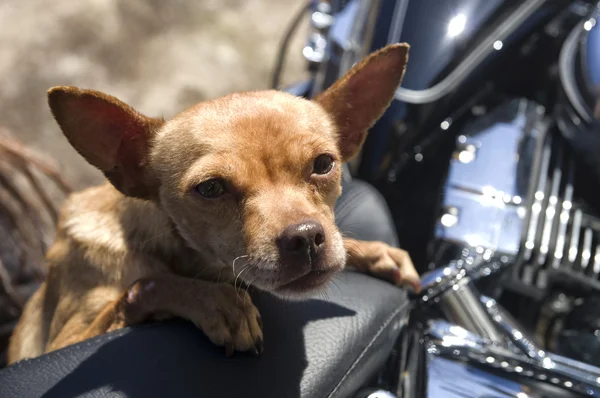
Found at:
[302, 240]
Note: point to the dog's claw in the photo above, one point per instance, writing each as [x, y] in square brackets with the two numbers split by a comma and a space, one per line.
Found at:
[229, 349]
[259, 347]
[254, 352]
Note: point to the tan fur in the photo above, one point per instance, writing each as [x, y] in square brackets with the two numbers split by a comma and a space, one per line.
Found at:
[147, 245]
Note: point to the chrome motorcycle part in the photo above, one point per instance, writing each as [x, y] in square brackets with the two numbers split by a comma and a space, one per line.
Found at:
[483, 334]
[453, 290]
[503, 321]
[376, 393]
[438, 281]
[321, 20]
[455, 343]
[462, 306]
[514, 199]
[563, 238]
[578, 110]
[347, 41]
[459, 379]
[489, 179]
[579, 67]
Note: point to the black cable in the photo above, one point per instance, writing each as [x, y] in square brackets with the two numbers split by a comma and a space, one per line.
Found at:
[284, 45]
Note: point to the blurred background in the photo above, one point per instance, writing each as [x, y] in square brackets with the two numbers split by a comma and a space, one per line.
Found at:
[158, 56]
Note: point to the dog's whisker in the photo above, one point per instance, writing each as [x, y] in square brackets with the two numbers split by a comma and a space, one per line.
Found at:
[249, 285]
[234, 260]
[246, 267]
[252, 281]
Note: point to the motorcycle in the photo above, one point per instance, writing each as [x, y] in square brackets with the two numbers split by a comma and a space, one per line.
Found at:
[488, 160]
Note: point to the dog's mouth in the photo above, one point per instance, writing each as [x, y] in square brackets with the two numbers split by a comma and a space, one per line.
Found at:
[282, 283]
[310, 281]
[296, 278]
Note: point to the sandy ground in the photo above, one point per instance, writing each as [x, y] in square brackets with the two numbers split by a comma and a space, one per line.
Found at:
[160, 56]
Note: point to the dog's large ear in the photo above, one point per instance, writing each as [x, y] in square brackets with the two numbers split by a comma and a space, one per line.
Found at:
[359, 98]
[109, 134]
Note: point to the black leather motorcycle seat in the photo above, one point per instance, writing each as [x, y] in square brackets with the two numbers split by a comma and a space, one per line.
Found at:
[323, 347]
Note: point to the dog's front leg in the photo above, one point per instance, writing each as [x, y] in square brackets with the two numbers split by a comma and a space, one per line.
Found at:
[225, 314]
[382, 260]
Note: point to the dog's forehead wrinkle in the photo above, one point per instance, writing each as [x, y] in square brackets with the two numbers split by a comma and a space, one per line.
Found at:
[239, 122]
[256, 106]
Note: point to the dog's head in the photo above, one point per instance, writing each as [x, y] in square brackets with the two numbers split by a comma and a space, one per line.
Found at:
[250, 179]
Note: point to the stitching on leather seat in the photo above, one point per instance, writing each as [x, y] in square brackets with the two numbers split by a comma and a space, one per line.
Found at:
[362, 354]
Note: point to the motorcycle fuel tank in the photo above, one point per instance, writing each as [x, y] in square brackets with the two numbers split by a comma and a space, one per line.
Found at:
[438, 32]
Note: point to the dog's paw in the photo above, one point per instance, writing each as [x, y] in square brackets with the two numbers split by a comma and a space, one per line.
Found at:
[225, 314]
[385, 262]
[230, 319]
[395, 265]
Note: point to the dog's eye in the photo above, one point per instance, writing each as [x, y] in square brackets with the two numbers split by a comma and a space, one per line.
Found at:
[211, 189]
[323, 164]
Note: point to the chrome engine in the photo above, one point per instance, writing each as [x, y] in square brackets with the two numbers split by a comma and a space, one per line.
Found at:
[510, 196]
[510, 205]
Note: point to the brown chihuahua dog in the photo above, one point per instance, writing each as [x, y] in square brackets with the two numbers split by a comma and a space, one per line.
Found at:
[241, 188]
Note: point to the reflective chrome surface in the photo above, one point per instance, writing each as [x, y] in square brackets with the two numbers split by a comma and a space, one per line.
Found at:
[483, 336]
[437, 31]
[440, 280]
[456, 379]
[504, 322]
[561, 239]
[476, 368]
[314, 51]
[472, 265]
[462, 306]
[490, 177]
[578, 111]
[348, 39]
[381, 394]
[547, 242]
[579, 67]
[455, 343]
[453, 290]
[509, 195]
[463, 19]
[321, 20]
